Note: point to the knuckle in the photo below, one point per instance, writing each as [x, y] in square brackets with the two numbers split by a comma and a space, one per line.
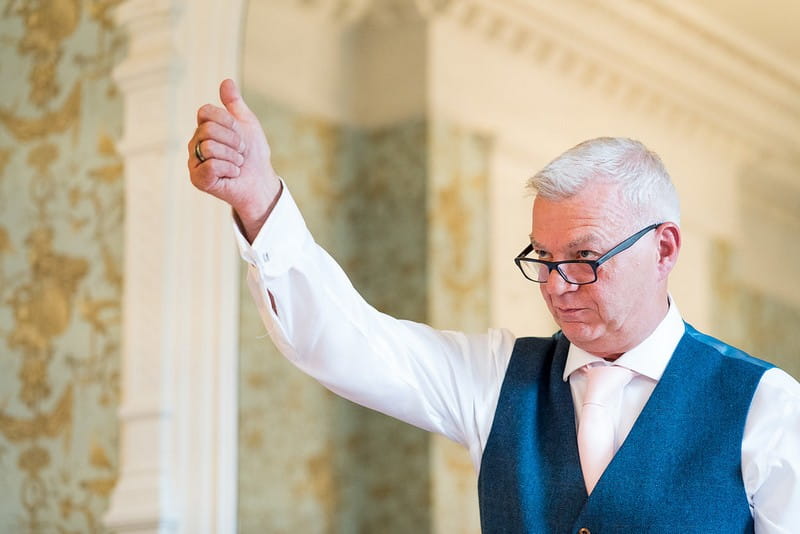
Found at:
[205, 177]
[222, 168]
[209, 149]
[209, 129]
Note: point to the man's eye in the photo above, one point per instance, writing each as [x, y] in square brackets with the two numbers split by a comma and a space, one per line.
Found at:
[585, 254]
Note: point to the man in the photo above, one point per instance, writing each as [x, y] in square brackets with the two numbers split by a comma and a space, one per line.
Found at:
[625, 420]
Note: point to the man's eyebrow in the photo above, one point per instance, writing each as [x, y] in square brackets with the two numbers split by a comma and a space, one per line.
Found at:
[575, 243]
[582, 241]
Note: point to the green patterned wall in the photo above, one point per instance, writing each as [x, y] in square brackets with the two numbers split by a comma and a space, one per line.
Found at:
[61, 193]
[308, 461]
[760, 324]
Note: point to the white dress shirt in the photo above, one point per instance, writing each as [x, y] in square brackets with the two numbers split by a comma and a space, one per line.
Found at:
[449, 382]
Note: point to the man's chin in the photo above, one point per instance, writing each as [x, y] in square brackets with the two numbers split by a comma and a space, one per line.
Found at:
[579, 333]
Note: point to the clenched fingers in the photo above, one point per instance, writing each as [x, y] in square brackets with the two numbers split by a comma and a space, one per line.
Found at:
[221, 134]
[211, 149]
[212, 113]
[216, 115]
[208, 175]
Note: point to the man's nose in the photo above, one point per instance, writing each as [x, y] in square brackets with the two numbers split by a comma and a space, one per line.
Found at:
[557, 285]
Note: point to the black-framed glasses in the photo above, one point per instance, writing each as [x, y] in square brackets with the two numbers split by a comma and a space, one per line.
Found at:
[578, 272]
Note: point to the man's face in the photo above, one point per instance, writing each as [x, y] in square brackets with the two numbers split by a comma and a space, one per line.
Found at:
[629, 298]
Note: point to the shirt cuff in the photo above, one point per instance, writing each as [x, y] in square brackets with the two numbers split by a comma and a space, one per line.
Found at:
[277, 245]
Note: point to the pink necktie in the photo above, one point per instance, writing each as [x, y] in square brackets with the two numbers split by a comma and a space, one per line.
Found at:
[596, 430]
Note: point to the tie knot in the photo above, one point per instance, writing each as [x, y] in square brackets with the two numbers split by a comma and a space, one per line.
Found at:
[604, 383]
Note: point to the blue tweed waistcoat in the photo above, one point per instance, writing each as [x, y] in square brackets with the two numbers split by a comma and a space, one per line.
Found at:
[679, 470]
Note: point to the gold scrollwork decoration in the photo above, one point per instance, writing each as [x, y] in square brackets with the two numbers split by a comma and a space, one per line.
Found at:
[49, 425]
[30, 128]
[5, 157]
[59, 280]
[47, 25]
[5, 241]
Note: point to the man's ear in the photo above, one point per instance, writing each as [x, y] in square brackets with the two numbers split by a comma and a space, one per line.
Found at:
[668, 237]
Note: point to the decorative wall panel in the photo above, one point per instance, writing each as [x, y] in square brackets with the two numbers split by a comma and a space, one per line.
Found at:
[310, 462]
[60, 254]
[458, 291]
[759, 323]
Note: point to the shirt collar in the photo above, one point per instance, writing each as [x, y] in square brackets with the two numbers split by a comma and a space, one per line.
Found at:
[649, 358]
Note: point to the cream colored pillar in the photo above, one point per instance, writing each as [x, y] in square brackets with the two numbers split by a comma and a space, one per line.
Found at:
[178, 412]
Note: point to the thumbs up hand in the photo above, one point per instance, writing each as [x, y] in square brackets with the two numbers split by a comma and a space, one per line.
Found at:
[229, 157]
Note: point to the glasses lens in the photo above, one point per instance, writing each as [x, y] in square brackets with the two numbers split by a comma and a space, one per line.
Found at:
[535, 271]
[577, 273]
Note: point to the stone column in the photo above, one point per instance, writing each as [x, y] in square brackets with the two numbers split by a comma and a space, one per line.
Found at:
[179, 353]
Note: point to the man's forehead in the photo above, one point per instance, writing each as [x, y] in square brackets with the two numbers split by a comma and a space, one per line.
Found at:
[578, 220]
[597, 195]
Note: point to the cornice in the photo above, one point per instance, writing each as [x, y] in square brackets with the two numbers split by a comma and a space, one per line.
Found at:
[715, 53]
[659, 60]
[669, 59]
[736, 45]
[379, 12]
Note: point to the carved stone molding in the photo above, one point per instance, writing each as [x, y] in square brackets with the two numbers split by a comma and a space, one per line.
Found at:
[179, 346]
[669, 59]
[372, 11]
[651, 56]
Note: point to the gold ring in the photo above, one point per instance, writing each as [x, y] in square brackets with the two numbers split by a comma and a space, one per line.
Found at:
[198, 153]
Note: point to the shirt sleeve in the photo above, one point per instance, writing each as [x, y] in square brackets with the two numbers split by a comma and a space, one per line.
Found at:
[771, 454]
[441, 381]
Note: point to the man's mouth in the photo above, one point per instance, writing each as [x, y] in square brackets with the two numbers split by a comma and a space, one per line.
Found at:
[569, 312]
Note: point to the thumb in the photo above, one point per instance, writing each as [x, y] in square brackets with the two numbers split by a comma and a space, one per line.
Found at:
[232, 100]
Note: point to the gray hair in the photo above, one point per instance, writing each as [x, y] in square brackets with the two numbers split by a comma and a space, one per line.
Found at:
[641, 176]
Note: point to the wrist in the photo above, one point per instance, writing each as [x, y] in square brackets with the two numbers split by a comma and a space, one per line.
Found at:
[251, 219]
